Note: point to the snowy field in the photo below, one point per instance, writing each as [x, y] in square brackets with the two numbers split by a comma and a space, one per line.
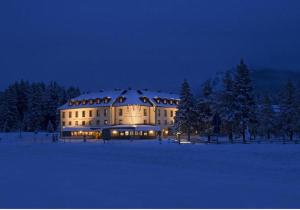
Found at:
[36, 173]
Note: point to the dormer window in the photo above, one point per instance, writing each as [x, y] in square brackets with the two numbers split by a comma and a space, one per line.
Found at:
[106, 100]
[177, 102]
[157, 100]
[70, 103]
[98, 101]
[91, 101]
[171, 102]
[77, 103]
[121, 99]
[165, 101]
[144, 99]
[84, 102]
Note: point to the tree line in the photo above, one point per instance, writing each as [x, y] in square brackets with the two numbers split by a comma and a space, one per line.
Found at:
[33, 106]
[236, 112]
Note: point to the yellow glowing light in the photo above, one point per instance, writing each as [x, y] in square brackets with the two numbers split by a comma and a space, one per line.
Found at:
[166, 132]
[114, 132]
[151, 132]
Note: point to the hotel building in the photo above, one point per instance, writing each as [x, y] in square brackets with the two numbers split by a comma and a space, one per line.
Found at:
[119, 114]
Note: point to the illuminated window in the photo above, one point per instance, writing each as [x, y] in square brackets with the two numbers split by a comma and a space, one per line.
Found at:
[145, 112]
[84, 102]
[76, 114]
[63, 115]
[165, 101]
[105, 122]
[91, 101]
[120, 112]
[83, 113]
[98, 101]
[171, 101]
[91, 113]
[83, 123]
[70, 114]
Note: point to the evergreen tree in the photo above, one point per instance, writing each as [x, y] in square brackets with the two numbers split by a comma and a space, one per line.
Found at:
[266, 119]
[245, 116]
[185, 115]
[288, 110]
[205, 111]
[9, 110]
[226, 105]
[34, 116]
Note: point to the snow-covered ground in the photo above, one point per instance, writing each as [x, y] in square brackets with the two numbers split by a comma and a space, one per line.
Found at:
[145, 174]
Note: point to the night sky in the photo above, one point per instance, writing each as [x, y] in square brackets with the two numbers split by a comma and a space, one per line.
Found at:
[97, 44]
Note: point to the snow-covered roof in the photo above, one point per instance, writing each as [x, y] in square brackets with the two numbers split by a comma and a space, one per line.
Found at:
[132, 97]
[162, 99]
[123, 98]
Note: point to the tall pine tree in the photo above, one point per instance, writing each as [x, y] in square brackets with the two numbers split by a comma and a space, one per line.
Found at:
[185, 115]
[205, 110]
[226, 105]
[245, 116]
[266, 117]
[288, 110]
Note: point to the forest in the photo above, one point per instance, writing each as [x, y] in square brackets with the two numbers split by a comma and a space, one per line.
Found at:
[236, 111]
[32, 107]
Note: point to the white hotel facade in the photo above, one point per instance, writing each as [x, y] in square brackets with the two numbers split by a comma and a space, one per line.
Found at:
[119, 114]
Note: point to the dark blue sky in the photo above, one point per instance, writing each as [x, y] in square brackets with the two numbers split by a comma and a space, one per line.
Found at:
[97, 44]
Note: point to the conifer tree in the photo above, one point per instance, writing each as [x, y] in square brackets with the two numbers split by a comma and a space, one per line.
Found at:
[185, 115]
[266, 117]
[34, 116]
[245, 116]
[205, 111]
[226, 105]
[288, 110]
